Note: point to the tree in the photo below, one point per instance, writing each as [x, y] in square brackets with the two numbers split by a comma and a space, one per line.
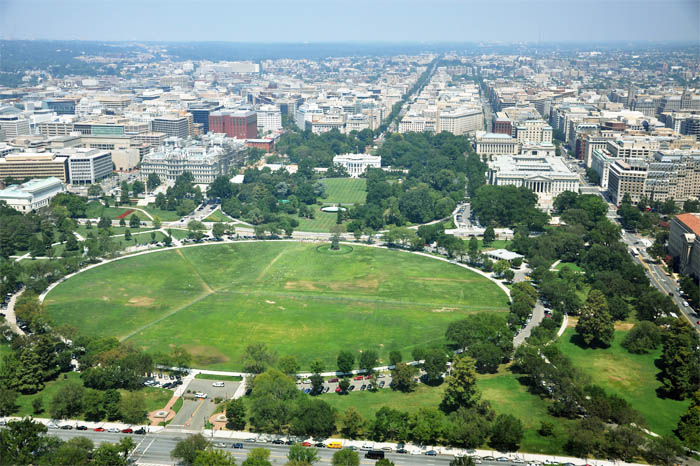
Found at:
[218, 230]
[236, 414]
[214, 457]
[336, 232]
[403, 377]
[368, 361]
[258, 457]
[153, 181]
[345, 457]
[94, 190]
[506, 433]
[344, 385]
[345, 361]
[134, 221]
[124, 195]
[462, 461]
[384, 462]
[272, 401]
[662, 450]
[461, 390]
[108, 454]
[104, 223]
[288, 365]
[313, 418]
[304, 455]
[394, 357]
[37, 404]
[37, 248]
[156, 222]
[138, 188]
[680, 361]
[316, 383]
[67, 402]
[645, 336]
[93, 405]
[187, 448]
[8, 398]
[133, 408]
[76, 451]
[122, 222]
[257, 357]
[352, 423]
[23, 442]
[126, 445]
[489, 236]
[127, 235]
[427, 426]
[688, 429]
[470, 427]
[595, 326]
[435, 365]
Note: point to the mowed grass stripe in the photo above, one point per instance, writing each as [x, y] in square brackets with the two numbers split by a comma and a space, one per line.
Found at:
[307, 303]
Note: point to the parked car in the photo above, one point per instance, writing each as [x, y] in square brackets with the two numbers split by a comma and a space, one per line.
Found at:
[351, 388]
[128, 430]
[363, 387]
[359, 377]
[431, 453]
[333, 380]
[200, 395]
[305, 444]
[140, 431]
[278, 442]
[238, 445]
[220, 445]
[67, 427]
[217, 384]
[114, 430]
[99, 429]
[81, 428]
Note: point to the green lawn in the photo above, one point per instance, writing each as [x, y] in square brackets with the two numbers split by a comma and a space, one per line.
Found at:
[163, 215]
[231, 378]
[345, 190]
[571, 265]
[631, 376]
[95, 209]
[215, 300]
[218, 216]
[496, 244]
[179, 234]
[322, 222]
[156, 398]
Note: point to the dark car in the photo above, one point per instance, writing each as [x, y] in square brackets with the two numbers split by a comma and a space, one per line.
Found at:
[320, 445]
[351, 388]
[238, 445]
[140, 431]
[278, 442]
[374, 455]
[67, 427]
[403, 451]
[289, 442]
[81, 428]
[431, 453]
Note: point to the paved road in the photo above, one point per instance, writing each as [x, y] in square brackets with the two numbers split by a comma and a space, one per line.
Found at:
[154, 449]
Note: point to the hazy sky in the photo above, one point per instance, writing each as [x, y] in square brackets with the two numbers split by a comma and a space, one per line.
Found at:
[351, 20]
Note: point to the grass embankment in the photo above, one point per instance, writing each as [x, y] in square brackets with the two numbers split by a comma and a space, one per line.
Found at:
[230, 378]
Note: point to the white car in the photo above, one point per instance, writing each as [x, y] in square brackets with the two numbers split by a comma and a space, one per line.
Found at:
[200, 395]
[217, 384]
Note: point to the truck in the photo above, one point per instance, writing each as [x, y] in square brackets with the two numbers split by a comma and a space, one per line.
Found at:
[374, 455]
[335, 444]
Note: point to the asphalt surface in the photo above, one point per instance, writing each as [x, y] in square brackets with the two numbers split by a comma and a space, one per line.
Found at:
[195, 413]
[154, 449]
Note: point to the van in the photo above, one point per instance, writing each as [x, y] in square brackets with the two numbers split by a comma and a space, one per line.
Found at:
[374, 455]
[335, 444]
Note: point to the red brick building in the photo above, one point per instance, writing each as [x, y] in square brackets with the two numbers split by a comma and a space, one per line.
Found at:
[240, 124]
[503, 126]
[267, 145]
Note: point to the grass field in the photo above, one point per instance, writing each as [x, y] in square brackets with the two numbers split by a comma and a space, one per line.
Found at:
[345, 190]
[215, 300]
[218, 216]
[571, 265]
[179, 234]
[96, 209]
[631, 376]
[322, 222]
[231, 378]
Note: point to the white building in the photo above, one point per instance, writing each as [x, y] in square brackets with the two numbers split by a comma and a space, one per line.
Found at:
[33, 194]
[87, 166]
[601, 160]
[169, 162]
[496, 144]
[269, 119]
[461, 121]
[545, 176]
[357, 123]
[415, 124]
[356, 164]
[533, 131]
[544, 148]
[13, 126]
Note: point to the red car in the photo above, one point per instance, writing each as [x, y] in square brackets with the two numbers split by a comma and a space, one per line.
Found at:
[305, 444]
[359, 377]
[128, 430]
[337, 389]
[333, 380]
[99, 429]
[368, 377]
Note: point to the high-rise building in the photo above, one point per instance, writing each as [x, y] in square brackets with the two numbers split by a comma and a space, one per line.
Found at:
[200, 113]
[62, 106]
[172, 125]
[14, 125]
[239, 124]
[684, 243]
[23, 165]
[87, 166]
[269, 119]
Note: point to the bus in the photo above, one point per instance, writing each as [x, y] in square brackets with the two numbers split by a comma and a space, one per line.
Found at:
[634, 251]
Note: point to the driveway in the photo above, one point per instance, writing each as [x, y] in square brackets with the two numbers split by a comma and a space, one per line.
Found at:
[195, 413]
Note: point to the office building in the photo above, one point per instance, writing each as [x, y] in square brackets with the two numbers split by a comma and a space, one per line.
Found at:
[32, 195]
[545, 176]
[205, 162]
[684, 243]
[201, 111]
[88, 166]
[461, 121]
[533, 131]
[13, 126]
[496, 144]
[172, 125]
[22, 165]
[126, 151]
[627, 177]
[62, 106]
[239, 124]
[269, 119]
[357, 164]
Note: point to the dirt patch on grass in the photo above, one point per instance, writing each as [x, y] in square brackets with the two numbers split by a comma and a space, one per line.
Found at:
[444, 280]
[105, 298]
[269, 302]
[206, 355]
[355, 285]
[139, 301]
[301, 285]
[444, 309]
[572, 322]
[626, 326]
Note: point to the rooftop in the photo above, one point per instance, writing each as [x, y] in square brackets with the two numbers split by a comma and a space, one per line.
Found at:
[692, 221]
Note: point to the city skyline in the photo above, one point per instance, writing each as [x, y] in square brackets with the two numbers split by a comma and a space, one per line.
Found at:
[273, 21]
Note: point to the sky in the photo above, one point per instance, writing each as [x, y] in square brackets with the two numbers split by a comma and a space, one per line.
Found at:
[297, 21]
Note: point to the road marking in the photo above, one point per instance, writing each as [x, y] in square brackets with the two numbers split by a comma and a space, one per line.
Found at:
[201, 403]
[651, 273]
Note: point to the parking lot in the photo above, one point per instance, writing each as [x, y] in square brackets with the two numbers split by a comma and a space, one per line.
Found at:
[355, 383]
[195, 413]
